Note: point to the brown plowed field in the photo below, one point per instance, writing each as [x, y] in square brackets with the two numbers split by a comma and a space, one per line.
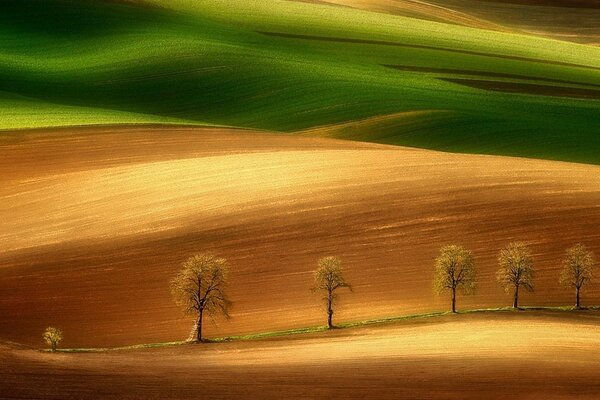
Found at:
[96, 221]
[569, 20]
[487, 356]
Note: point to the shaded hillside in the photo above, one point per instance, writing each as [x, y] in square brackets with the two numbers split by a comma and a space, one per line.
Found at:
[288, 66]
[271, 204]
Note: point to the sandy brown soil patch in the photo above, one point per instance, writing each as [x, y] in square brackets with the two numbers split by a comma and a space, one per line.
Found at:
[575, 21]
[416, 9]
[90, 240]
[593, 4]
[364, 125]
[567, 20]
[28, 153]
[543, 356]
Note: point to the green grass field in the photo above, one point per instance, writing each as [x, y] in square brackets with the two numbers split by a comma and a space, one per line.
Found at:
[290, 66]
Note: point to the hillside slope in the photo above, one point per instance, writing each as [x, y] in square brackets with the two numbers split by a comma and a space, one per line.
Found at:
[288, 66]
[569, 20]
[271, 204]
[455, 357]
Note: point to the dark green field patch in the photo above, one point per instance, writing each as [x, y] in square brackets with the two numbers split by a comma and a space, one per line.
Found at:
[450, 71]
[289, 67]
[528, 88]
[424, 47]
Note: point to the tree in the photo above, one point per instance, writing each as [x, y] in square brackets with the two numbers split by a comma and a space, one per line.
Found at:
[200, 288]
[52, 336]
[578, 268]
[516, 269]
[329, 277]
[454, 270]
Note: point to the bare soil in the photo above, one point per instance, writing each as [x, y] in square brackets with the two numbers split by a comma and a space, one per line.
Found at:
[95, 221]
[491, 356]
[569, 20]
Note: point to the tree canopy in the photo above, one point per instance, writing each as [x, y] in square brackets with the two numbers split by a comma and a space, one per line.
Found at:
[454, 270]
[52, 336]
[200, 287]
[516, 269]
[578, 269]
[329, 277]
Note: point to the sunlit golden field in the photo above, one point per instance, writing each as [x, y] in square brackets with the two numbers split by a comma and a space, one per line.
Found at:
[299, 199]
[535, 355]
[93, 233]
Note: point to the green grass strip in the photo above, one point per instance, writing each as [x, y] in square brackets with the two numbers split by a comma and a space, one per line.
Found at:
[320, 328]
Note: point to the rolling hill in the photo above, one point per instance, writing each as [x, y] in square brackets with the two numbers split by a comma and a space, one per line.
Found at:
[137, 133]
[288, 66]
[570, 20]
[453, 357]
[92, 235]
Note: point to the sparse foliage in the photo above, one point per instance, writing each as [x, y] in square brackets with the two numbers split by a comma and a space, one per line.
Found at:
[329, 277]
[578, 268]
[52, 336]
[516, 269]
[200, 288]
[454, 270]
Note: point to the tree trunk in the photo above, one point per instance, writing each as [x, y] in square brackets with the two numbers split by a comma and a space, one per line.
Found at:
[453, 300]
[516, 298]
[577, 298]
[199, 327]
[329, 314]
[192, 336]
[53, 346]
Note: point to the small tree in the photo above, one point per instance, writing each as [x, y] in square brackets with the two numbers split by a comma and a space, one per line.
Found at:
[578, 268]
[329, 277]
[516, 269]
[454, 270]
[52, 336]
[199, 288]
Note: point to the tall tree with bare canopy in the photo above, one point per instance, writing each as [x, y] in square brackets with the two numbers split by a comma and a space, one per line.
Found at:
[578, 268]
[200, 288]
[516, 269]
[329, 277]
[454, 271]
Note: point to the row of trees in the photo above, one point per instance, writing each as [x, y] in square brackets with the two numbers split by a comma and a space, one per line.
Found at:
[455, 271]
[200, 285]
[199, 288]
